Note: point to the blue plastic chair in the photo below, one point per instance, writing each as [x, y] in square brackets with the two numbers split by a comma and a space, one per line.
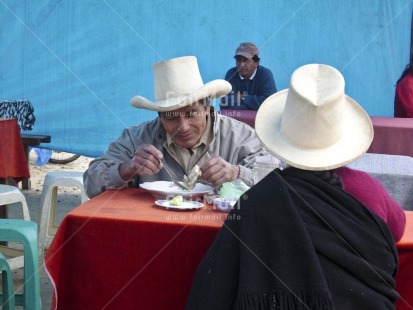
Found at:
[25, 232]
[7, 297]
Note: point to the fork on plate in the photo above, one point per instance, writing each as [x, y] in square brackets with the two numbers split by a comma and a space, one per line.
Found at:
[179, 184]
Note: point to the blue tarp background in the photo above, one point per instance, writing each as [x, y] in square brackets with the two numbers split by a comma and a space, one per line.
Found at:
[80, 62]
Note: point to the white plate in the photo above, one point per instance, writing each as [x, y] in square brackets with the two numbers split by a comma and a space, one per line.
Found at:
[186, 205]
[167, 190]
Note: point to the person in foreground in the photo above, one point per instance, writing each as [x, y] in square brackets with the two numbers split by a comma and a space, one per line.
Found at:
[251, 83]
[303, 240]
[186, 132]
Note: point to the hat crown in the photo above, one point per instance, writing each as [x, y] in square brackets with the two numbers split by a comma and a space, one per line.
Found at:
[178, 83]
[313, 125]
[314, 107]
[247, 50]
[178, 77]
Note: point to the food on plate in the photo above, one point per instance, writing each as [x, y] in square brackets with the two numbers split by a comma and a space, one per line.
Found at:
[232, 190]
[177, 200]
[193, 177]
[164, 190]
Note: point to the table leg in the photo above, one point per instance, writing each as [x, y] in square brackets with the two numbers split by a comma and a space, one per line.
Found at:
[26, 182]
[3, 210]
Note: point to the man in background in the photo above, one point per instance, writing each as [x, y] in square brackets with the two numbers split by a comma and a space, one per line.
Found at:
[251, 82]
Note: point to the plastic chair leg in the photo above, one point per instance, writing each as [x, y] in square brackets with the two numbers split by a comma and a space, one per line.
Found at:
[7, 296]
[25, 232]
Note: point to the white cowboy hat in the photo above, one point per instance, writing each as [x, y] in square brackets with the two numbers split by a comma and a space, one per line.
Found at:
[177, 84]
[313, 125]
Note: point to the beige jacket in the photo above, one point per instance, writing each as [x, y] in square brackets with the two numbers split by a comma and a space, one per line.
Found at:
[233, 140]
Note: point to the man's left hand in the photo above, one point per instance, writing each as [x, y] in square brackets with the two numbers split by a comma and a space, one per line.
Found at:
[217, 171]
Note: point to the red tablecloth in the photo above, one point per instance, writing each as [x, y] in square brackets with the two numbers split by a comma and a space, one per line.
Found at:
[120, 251]
[13, 162]
[392, 136]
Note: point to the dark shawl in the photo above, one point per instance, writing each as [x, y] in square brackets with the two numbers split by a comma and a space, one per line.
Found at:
[297, 242]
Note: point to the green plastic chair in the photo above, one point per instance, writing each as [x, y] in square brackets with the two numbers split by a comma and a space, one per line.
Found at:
[25, 232]
[7, 297]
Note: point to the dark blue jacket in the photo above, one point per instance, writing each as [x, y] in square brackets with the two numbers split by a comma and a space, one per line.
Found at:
[255, 91]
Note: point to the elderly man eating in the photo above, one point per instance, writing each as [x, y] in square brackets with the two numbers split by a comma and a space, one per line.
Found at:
[186, 132]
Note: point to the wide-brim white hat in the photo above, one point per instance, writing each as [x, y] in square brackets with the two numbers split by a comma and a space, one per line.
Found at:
[178, 83]
[313, 125]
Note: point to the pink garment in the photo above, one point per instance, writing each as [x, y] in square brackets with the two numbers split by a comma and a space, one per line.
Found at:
[403, 100]
[374, 196]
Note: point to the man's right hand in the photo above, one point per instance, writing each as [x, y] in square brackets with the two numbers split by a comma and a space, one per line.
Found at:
[146, 160]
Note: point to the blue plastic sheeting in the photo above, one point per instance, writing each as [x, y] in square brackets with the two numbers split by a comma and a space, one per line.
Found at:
[80, 62]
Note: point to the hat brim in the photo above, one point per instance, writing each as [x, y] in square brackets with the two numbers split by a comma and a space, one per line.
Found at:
[246, 55]
[354, 142]
[212, 90]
